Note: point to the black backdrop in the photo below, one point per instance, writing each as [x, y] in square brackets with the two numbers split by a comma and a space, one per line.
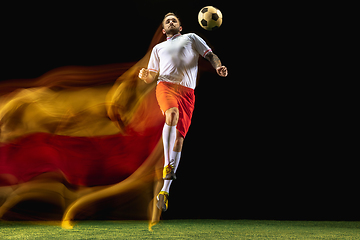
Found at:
[261, 144]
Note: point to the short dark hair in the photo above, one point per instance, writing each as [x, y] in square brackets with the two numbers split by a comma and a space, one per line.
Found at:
[170, 14]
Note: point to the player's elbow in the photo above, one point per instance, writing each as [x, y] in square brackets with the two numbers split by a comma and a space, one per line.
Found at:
[209, 56]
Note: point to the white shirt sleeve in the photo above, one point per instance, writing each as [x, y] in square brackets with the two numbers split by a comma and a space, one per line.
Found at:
[200, 45]
[154, 61]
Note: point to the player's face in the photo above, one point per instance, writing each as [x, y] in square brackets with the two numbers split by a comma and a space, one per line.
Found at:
[171, 25]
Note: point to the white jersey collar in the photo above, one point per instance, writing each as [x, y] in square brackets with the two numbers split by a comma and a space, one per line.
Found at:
[173, 37]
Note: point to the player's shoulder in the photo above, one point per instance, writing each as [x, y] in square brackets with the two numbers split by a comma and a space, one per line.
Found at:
[190, 35]
[159, 45]
[193, 36]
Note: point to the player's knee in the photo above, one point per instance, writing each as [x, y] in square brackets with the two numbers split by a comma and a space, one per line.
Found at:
[173, 111]
[172, 116]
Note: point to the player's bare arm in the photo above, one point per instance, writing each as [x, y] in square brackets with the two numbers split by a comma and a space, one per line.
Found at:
[216, 63]
[146, 75]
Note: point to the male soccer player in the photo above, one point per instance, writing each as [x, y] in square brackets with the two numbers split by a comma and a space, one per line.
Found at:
[176, 62]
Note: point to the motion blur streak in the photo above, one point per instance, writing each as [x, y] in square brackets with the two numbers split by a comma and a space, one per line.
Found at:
[81, 142]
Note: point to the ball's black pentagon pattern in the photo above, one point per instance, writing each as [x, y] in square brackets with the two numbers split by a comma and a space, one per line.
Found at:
[215, 17]
[204, 22]
[204, 10]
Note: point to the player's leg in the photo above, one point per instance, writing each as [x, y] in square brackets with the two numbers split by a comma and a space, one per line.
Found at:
[175, 154]
[169, 139]
[178, 112]
[179, 141]
[175, 157]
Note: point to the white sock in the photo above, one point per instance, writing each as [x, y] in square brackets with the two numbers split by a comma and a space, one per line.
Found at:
[169, 136]
[166, 186]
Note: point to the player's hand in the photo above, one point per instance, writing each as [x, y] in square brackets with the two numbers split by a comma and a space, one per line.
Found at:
[222, 71]
[143, 74]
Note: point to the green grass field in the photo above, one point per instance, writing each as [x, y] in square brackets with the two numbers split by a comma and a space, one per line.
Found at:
[183, 229]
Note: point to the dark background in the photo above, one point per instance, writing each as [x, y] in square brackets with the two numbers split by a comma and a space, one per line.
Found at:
[263, 143]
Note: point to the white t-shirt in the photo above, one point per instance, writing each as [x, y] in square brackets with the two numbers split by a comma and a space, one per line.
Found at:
[177, 59]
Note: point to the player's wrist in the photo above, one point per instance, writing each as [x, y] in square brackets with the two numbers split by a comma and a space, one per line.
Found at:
[148, 79]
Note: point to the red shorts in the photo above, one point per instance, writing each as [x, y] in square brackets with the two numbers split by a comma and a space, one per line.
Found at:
[171, 95]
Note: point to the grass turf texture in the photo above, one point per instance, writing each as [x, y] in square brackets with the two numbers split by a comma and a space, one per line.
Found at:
[183, 229]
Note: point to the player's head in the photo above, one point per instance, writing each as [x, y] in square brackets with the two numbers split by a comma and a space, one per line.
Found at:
[171, 24]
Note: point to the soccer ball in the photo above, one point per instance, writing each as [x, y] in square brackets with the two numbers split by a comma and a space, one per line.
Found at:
[210, 18]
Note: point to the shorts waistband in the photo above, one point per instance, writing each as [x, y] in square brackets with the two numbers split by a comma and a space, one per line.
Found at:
[175, 85]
